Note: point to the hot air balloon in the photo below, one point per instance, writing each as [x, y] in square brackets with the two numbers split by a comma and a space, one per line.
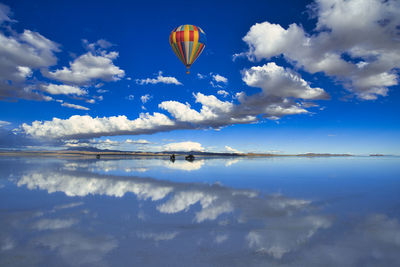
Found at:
[187, 42]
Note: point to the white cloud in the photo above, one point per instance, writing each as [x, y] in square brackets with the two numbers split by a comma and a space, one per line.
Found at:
[130, 97]
[219, 78]
[69, 105]
[86, 126]
[223, 93]
[89, 67]
[275, 80]
[62, 89]
[365, 32]
[160, 79]
[145, 98]
[22, 54]
[184, 146]
[231, 150]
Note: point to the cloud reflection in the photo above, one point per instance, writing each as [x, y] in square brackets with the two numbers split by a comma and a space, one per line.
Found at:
[283, 226]
[214, 224]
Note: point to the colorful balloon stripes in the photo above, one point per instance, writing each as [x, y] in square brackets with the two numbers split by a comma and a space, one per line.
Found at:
[187, 42]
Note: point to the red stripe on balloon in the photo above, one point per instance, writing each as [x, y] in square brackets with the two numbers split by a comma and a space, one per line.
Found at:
[191, 36]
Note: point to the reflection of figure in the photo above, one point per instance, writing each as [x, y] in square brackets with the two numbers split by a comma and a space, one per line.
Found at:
[97, 156]
[172, 158]
[189, 158]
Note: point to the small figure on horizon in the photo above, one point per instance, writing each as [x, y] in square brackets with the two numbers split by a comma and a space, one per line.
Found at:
[98, 156]
[189, 157]
[172, 158]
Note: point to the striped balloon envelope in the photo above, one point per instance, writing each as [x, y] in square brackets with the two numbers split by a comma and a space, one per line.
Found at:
[187, 42]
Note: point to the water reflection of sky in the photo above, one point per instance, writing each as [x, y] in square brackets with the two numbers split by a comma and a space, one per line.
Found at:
[210, 212]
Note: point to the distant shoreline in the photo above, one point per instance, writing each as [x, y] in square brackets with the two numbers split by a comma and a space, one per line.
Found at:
[71, 153]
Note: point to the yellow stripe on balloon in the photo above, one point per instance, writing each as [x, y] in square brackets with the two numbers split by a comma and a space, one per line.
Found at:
[174, 37]
[195, 41]
[187, 45]
[186, 33]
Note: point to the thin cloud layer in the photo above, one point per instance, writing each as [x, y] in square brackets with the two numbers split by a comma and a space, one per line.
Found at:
[160, 79]
[356, 42]
[74, 106]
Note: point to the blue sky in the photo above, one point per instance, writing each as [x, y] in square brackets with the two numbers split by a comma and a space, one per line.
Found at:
[287, 76]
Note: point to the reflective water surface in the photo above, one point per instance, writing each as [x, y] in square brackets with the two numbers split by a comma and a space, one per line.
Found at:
[211, 212]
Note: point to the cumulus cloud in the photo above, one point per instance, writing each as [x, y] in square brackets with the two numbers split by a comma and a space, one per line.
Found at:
[160, 79]
[279, 90]
[22, 54]
[356, 43]
[184, 146]
[62, 89]
[25, 54]
[86, 126]
[89, 67]
[270, 102]
[231, 150]
[277, 81]
[74, 106]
